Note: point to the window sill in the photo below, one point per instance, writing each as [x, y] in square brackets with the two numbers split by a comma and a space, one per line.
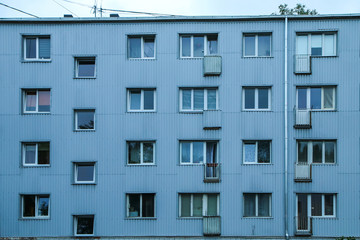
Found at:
[84, 78]
[78, 183]
[142, 111]
[33, 218]
[90, 130]
[321, 110]
[269, 218]
[192, 112]
[36, 166]
[142, 59]
[36, 113]
[324, 217]
[256, 110]
[140, 165]
[334, 56]
[190, 58]
[257, 56]
[257, 164]
[36, 60]
[324, 164]
[140, 218]
[84, 236]
[189, 218]
[191, 164]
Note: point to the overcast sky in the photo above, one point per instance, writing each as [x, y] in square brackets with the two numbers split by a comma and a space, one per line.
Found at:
[51, 8]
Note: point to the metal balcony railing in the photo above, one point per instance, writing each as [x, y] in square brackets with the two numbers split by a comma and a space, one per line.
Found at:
[211, 225]
[302, 64]
[212, 172]
[302, 172]
[303, 225]
[212, 65]
[302, 118]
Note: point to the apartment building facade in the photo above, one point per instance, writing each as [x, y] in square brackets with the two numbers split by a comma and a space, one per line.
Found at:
[225, 127]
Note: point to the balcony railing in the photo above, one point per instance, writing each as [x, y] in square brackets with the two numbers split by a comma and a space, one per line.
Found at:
[212, 65]
[302, 64]
[303, 225]
[302, 172]
[212, 172]
[211, 225]
[302, 118]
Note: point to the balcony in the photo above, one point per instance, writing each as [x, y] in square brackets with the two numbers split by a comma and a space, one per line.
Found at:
[212, 119]
[212, 65]
[303, 226]
[302, 118]
[302, 64]
[212, 172]
[211, 225]
[302, 172]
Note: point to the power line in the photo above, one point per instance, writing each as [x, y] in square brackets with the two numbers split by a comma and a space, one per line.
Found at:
[19, 10]
[65, 8]
[80, 4]
[135, 12]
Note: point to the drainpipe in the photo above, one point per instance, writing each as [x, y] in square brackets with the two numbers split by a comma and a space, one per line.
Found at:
[286, 128]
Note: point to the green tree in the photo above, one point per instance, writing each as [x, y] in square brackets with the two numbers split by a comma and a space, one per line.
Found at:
[299, 9]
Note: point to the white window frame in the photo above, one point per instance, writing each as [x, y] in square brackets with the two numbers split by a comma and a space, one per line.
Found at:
[142, 43]
[192, 99]
[322, 43]
[77, 59]
[256, 44]
[206, 44]
[257, 206]
[76, 222]
[310, 151]
[37, 49]
[141, 153]
[36, 164]
[191, 152]
[76, 165]
[141, 100]
[37, 196]
[76, 119]
[204, 204]
[25, 91]
[308, 98]
[256, 151]
[256, 103]
[309, 204]
[140, 211]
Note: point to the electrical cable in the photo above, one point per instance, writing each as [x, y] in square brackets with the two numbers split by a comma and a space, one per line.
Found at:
[65, 8]
[19, 10]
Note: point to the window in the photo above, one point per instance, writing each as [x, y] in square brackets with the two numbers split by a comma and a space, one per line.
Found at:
[84, 119]
[83, 225]
[141, 47]
[257, 152]
[36, 101]
[36, 154]
[256, 98]
[192, 46]
[84, 172]
[198, 152]
[317, 151]
[198, 204]
[36, 48]
[257, 205]
[257, 45]
[317, 98]
[141, 100]
[316, 44]
[141, 205]
[35, 206]
[85, 67]
[198, 99]
[141, 153]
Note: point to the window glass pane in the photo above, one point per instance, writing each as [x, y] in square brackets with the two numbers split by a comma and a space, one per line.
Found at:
[149, 47]
[316, 49]
[316, 206]
[329, 97]
[185, 44]
[29, 206]
[44, 153]
[315, 98]
[211, 152]
[264, 205]
[148, 205]
[134, 205]
[250, 45]
[186, 99]
[302, 98]
[211, 98]
[30, 47]
[44, 47]
[85, 225]
[249, 149]
[148, 152]
[30, 153]
[249, 98]
[198, 99]
[43, 206]
[329, 152]
[185, 152]
[264, 152]
[30, 101]
[212, 44]
[249, 205]
[85, 119]
[198, 152]
[86, 68]
[212, 205]
[317, 152]
[135, 98]
[264, 45]
[197, 205]
[135, 47]
[85, 173]
[302, 44]
[44, 101]
[263, 98]
[185, 205]
[329, 45]
[329, 204]
[149, 99]
[199, 46]
[134, 152]
[302, 152]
